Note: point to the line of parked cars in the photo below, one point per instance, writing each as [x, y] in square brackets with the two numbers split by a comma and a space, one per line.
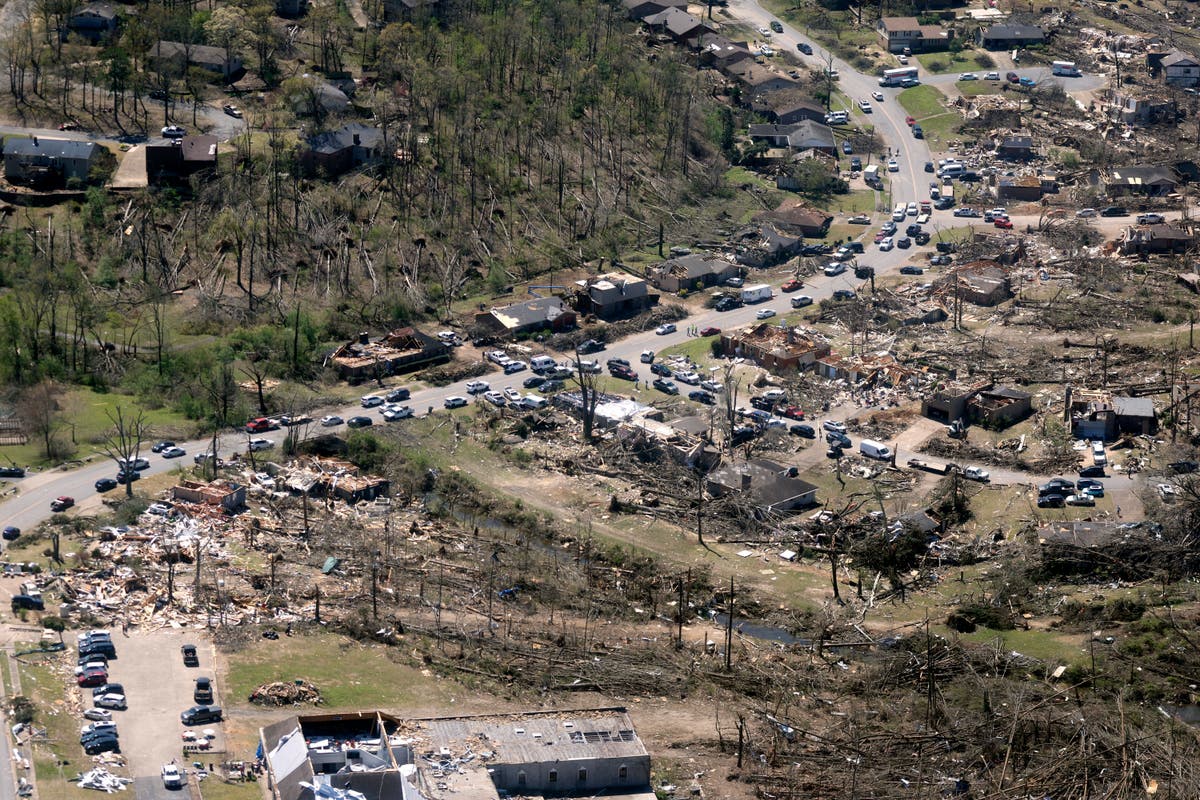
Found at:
[99, 735]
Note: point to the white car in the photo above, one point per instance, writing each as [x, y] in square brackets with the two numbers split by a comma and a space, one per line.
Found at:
[1167, 491]
[887, 244]
[477, 387]
[1082, 499]
[712, 386]
[330, 421]
[1086, 212]
[647, 357]
[977, 474]
[893, 165]
[511, 394]
[93, 727]
[834, 427]
[911, 210]
[776, 395]
[260, 444]
[159, 509]
[968, 76]
[992, 76]
[765, 313]
[494, 397]
[764, 32]
[370, 400]
[171, 777]
[801, 300]
[98, 714]
[113, 701]
[690, 378]
[766, 51]
[903, 59]
[878, 96]
[497, 357]
[865, 106]
[665, 328]
[394, 412]
[454, 401]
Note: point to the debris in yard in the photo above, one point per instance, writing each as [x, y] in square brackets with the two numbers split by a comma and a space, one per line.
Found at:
[103, 780]
[286, 693]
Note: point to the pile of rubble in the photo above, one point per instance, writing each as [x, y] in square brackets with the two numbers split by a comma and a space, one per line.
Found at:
[286, 693]
[103, 780]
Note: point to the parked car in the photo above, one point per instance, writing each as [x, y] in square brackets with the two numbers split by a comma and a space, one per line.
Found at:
[1051, 501]
[665, 328]
[454, 401]
[371, 400]
[968, 76]
[887, 243]
[200, 714]
[802, 300]
[1006, 224]
[105, 485]
[1178, 467]
[258, 445]
[1081, 499]
[977, 474]
[107, 744]
[765, 313]
[28, 603]
[1057, 486]
[590, 346]
[1114, 211]
[1092, 472]
[941, 260]
[232, 111]
[11, 532]
[61, 503]
[173, 132]
[358, 422]
[844, 294]
[1086, 212]
[115, 702]
[91, 676]
[12, 472]
[701, 396]
[171, 777]
[1012, 77]
[666, 386]
[838, 439]
[397, 395]
[98, 714]
[107, 688]
[904, 243]
[331, 421]
[174, 452]
[514, 367]
[803, 431]
[202, 692]
[395, 412]
[190, 658]
[1151, 219]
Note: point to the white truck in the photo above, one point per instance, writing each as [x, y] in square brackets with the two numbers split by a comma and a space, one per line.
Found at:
[756, 293]
[873, 449]
[871, 174]
[1065, 68]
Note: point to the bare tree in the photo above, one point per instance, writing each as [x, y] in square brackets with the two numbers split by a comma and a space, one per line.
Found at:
[589, 396]
[123, 442]
[41, 410]
[731, 399]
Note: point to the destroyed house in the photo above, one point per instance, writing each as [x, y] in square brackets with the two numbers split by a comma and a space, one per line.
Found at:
[1021, 187]
[773, 348]
[692, 272]
[374, 756]
[614, 295]
[231, 497]
[1149, 181]
[766, 246]
[982, 283]
[1101, 547]
[170, 160]
[999, 407]
[770, 487]
[949, 401]
[611, 410]
[1098, 414]
[332, 477]
[402, 350]
[874, 369]
[527, 316]
[794, 216]
[1155, 239]
[1015, 147]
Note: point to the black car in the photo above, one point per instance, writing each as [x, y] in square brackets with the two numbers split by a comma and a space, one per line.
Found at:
[1058, 486]
[160, 446]
[863, 272]
[921, 238]
[105, 485]
[929, 166]
[11, 532]
[912, 230]
[552, 385]
[20, 601]
[743, 434]
[1051, 501]
[805, 48]
[727, 303]
[92, 736]
[12, 472]
[198, 715]
[904, 243]
[946, 247]
[660, 369]
[943, 203]
[1114, 211]
[190, 659]
[108, 688]
[844, 294]
[397, 395]
[590, 346]
[909, 269]
[941, 261]
[1093, 472]
[1178, 467]
[128, 477]
[838, 439]
[762, 403]
[203, 693]
[104, 744]
[358, 422]
[533, 381]
[805, 431]
[701, 396]
[816, 250]
[618, 362]
[92, 649]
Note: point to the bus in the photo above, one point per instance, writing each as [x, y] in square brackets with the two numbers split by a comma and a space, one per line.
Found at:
[894, 77]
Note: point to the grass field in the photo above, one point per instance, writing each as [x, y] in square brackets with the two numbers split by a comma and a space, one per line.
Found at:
[349, 674]
[941, 128]
[977, 88]
[963, 61]
[922, 101]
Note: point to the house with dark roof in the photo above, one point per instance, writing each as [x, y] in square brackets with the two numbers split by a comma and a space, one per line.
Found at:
[170, 160]
[802, 135]
[410, 10]
[180, 55]
[768, 486]
[1009, 35]
[94, 23]
[291, 9]
[1155, 240]
[1015, 147]
[756, 82]
[1149, 181]
[678, 24]
[716, 51]
[765, 246]
[1020, 187]
[999, 406]
[691, 272]
[49, 163]
[793, 216]
[897, 33]
[528, 316]
[785, 108]
[640, 9]
[1098, 414]
[338, 151]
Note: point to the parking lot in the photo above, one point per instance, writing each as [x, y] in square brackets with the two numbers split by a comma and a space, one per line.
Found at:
[158, 687]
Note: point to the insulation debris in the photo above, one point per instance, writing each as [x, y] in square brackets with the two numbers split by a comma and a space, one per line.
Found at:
[286, 693]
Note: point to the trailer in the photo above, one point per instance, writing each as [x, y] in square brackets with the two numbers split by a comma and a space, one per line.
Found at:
[937, 469]
[871, 174]
[1065, 68]
[756, 293]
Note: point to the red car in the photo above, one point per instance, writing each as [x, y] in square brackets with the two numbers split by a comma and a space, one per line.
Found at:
[909, 121]
[880, 236]
[93, 676]
[792, 285]
[258, 425]
[1003, 223]
[709, 331]
[793, 412]
[61, 503]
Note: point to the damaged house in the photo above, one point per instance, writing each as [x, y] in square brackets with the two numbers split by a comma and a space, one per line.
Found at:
[1148, 181]
[402, 350]
[794, 216]
[774, 348]
[766, 246]
[230, 497]
[332, 477]
[528, 316]
[691, 273]
[982, 283]
[1155, 240]
[872, 369]
[370, 755]
[769, 487]
[614, 295]
[1098, 414]
[980, 402]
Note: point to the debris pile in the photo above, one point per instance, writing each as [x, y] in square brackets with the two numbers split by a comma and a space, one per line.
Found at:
[286, 693]
[103, 780]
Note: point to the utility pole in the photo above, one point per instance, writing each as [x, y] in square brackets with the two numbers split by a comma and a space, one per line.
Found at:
[729, 630]
[682, 604]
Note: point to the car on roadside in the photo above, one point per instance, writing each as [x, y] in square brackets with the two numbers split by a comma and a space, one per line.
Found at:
[1002, 223]
[661, 369]
[160, 446]
[258, 445]
[371, 400]
[397, 395]
[712, 386]
[966, 212]
[803, 431]
[511, 394]
[909, 269]
[844, 294]
[865, 106]
[454, 401]
[775, 26]
[1057, 486]
[792, 285]
[495, 398]
[665, 328]
[1051, 501]
[877, 96]
[514, 367]
[232, 111]
[701, 396]
[838, 439]
[941, 260]
[1012, 77]
[1151, 219]
[10, 533]
[359, 422]
[61, 503]
[1081, 499]
[1114, 211]
[992, 76]
[893, 165]
[171, 777]
[710, 330]
[1093, 471]
[977, 474]
[105, 485]
[173, 131]
[590, 346]
[174, 452]
[190, 657]
[331, 421]
[968, 76]
[1085, 213]
[111, 701]
[533, 381]
[666, 386]
[801, 300]
[12, 472]
[477, 387]
[765, 313]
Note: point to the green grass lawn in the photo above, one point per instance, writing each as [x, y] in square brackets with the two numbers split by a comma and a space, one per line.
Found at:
[977, 88]
[941, 63]
[859, 201]
[348, 673]
[85, 421]
[942, 129]
[697, 349]
[214, 788]
[922, 101]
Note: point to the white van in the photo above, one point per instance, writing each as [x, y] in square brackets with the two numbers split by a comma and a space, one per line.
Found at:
[1098, 454]
[540, 363]
[532, 401]
[899, 212]
[873, 449]
[951, 169]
